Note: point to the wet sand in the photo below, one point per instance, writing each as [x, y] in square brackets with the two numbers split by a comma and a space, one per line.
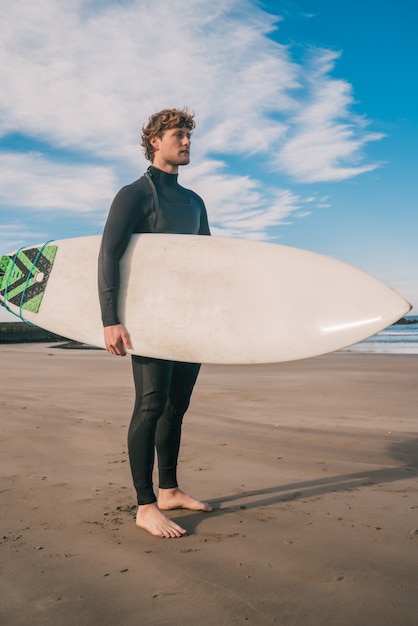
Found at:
[312, 468]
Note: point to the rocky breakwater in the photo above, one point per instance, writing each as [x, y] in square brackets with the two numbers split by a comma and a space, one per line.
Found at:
[19, 332]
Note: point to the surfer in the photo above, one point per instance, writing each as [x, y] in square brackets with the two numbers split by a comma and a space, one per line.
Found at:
[155, 203]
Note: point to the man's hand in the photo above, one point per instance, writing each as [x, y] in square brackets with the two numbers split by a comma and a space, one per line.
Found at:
[117, 339]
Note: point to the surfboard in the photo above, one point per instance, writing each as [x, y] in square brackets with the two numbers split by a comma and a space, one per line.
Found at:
[202, 299]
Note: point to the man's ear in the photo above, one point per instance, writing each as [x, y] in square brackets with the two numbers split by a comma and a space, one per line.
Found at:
[155, 142]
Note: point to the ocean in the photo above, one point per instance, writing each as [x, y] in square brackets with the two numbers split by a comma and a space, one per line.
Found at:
[397, 339]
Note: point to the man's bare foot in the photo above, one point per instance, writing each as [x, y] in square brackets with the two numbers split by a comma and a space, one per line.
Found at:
[150, 518]
[169, 499]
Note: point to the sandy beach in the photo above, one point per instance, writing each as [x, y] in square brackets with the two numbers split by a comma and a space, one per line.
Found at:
[312, 467]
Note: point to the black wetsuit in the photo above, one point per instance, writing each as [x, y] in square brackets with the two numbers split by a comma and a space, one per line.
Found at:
[163, 388]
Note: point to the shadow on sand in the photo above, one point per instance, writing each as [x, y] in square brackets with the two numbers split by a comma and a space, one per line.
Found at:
[404, 451]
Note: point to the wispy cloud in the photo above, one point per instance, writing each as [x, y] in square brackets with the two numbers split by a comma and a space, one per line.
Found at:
[31, 181]
[16, 235]
[241, 204]
[85, 75]
[325, 138]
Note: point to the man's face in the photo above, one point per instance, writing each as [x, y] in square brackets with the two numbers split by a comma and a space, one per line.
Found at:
[172, 149]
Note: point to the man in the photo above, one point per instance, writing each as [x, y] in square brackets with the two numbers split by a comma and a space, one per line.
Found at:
[155, 203]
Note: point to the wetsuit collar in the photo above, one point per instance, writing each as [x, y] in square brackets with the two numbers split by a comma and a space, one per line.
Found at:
[163, 178]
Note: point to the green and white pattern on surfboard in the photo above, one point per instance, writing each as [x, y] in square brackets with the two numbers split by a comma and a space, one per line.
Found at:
[24, 276]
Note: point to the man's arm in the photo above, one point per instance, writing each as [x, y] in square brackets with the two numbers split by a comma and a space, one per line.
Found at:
[123, 216]
[204, 223]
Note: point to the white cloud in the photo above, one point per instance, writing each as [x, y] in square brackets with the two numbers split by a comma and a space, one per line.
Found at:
[84, 75]
[32, 181]
[17, 235]
[240, 205]
[88, 79]
[325, 140]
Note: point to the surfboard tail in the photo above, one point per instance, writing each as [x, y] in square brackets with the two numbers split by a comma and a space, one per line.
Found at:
[24, 276]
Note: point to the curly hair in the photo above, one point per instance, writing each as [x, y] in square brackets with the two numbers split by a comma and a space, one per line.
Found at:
[159, 122]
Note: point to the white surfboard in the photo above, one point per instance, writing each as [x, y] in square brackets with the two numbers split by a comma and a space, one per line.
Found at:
[203, 299]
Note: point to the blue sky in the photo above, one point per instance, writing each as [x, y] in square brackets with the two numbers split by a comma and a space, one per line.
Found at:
[306, 118]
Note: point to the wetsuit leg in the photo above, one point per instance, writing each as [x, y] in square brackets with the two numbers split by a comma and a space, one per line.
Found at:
[152, 378]
[163, 390]
[168, 433]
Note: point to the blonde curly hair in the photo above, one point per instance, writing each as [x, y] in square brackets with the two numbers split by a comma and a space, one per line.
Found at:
[159, 122]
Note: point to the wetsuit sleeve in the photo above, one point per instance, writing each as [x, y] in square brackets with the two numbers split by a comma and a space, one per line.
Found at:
[204, 222]
[124, 214]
